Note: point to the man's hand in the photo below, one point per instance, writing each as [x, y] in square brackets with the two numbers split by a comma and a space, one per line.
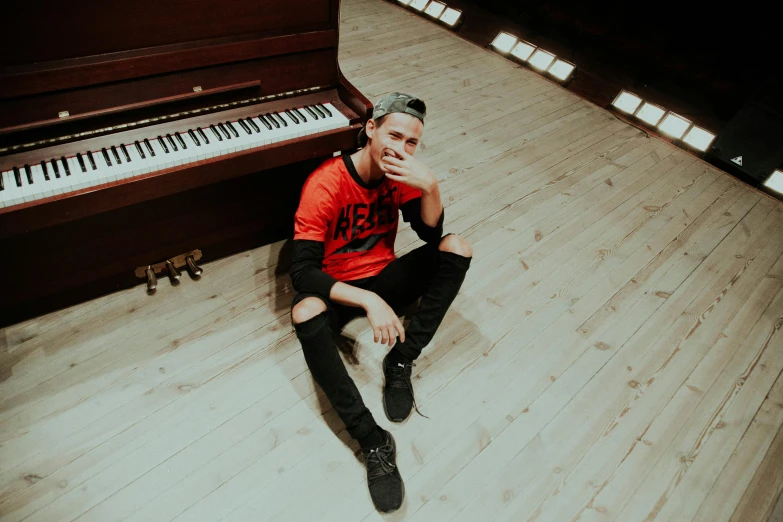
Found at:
[410, 171]
[386, 326]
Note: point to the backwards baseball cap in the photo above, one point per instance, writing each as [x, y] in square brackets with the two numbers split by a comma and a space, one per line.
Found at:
[395, 102]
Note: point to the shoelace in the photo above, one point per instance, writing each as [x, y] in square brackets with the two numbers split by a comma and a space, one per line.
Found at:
[379, 463]
[402, 374]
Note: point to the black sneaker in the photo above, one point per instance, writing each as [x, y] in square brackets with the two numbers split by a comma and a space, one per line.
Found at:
[383, 477]
[398, 390]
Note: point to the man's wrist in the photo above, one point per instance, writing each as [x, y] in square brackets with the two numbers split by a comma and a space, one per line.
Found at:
[367, 299]
[431, 188]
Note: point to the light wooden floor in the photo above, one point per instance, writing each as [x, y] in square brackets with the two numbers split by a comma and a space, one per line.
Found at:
[614, 354]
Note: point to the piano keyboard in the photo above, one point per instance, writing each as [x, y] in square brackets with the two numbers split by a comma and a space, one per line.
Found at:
[122, 161]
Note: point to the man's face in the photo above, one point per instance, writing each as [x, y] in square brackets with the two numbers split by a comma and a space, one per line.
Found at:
[397, 132]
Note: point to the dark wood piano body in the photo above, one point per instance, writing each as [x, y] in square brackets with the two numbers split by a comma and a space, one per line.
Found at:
[125, 68]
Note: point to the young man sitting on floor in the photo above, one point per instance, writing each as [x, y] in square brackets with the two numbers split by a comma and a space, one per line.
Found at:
[344, 265]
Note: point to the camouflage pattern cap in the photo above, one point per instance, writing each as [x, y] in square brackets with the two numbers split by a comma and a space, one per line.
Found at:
[395, 102]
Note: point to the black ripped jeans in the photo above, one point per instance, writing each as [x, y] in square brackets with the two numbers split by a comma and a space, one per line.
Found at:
[426, 273]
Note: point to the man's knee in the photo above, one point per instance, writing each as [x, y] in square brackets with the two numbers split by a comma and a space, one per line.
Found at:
[456, 245]
[306, 309]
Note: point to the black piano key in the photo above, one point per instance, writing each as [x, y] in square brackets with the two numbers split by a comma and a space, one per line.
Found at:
[219, 137]
[55, 168]
[116, 155]
[244, 126]
[17, 177]
[149, 147]
[81, 162]
[301, 116]
[2, 186]
[125, 152]
[263, 120]
[172, 142]
[181, 141]
[29, 174]
[224, 130]
[327, 111]
[203, 136]
[141, 151]
[45, 170]
[292, 116]
[163, 144]
[252, 124]
[233, 129]
[67, 168]
[194, 138]
[276, 116]
[312, 113]
[274, 121]
[92, 160]
[106, 157]
[316, 109]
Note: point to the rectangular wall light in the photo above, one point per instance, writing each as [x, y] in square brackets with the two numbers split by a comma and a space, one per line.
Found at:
[775, 182]
[561, 69]
[674, 125]
[699, 138]
[541, 59]
[627, 102]
[650, 114]
[435, 9]
[523, 50]
[419, 5]
[450, 16]
[504, 42]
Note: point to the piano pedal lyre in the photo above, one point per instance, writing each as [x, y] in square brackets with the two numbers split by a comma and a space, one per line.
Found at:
[171, 267]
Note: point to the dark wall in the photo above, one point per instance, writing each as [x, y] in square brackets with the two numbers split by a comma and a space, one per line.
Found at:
[709, 58]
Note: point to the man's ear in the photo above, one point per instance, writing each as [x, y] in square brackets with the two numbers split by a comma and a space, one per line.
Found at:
[370, 128]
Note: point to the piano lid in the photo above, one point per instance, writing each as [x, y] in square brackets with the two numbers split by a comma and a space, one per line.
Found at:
[99, 57]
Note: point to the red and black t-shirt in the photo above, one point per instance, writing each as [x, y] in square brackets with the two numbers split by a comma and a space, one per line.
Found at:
[355, 223]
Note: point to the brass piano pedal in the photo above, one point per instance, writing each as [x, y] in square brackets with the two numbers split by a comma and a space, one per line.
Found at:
[193, 268]
[152, 281]
[172, 272]
[171, 267]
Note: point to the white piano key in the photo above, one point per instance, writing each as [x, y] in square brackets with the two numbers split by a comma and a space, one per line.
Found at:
[58, 183]
[7, 198]
[40, 188]
[14, 196]
[27, 189]
[139, 164]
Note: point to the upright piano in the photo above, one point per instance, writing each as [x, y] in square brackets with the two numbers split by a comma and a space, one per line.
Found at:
[134, 133]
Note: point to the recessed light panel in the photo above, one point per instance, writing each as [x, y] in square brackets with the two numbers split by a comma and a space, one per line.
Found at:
[450, 16]
[775, 182]
[627, 102]
[541, 59]
[523, 50]
[699, 138]
[674, 125]
[650, 114]
[435, 9]
[504, 42]
[561, 70]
